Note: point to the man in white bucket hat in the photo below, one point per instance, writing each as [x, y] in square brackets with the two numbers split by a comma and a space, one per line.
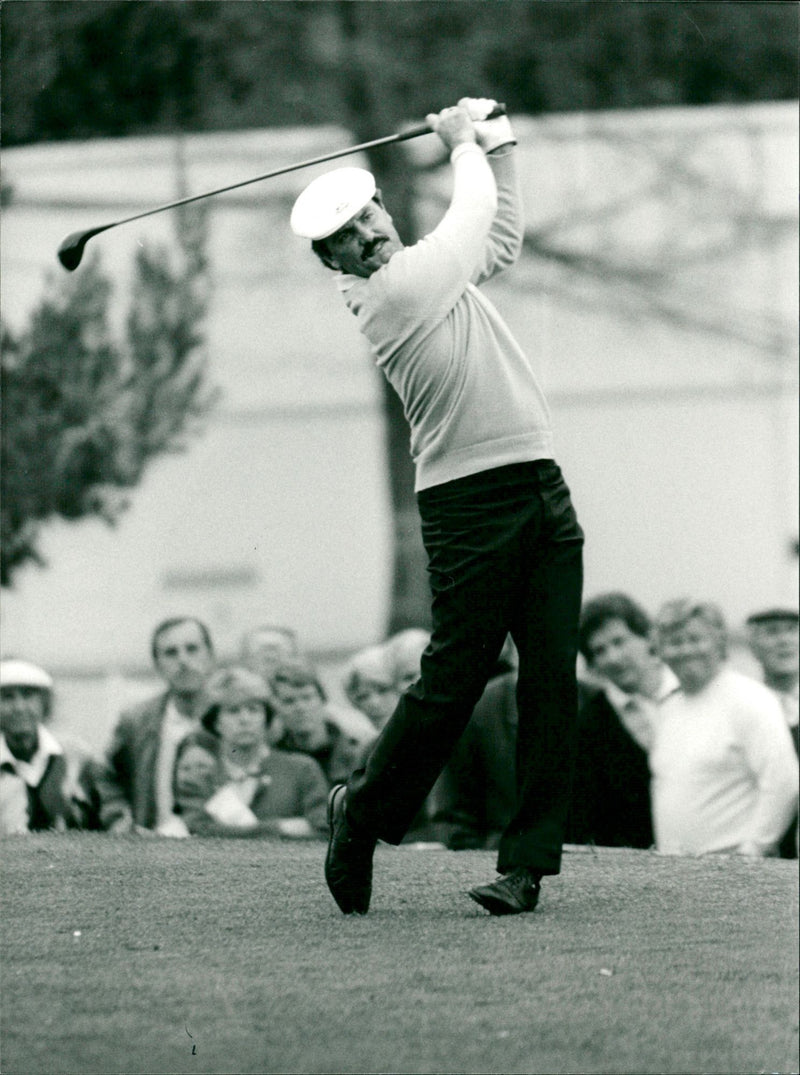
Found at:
[503, 542]
[46, 780]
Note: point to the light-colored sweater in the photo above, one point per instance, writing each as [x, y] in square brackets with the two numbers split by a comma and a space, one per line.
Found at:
[724, 770]
[470, 395]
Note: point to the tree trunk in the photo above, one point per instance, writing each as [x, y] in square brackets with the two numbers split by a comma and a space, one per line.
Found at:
[376, 108]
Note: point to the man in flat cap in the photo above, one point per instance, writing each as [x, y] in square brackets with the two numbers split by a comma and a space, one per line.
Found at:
[774, 638]
[503, 542]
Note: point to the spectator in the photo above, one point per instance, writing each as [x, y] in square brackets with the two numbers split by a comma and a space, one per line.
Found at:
[774, 636]
[228, 782]
[725, 774]
[196, 777]
[136, 781]
[405, 651]
[265, 647]
[308, 727]
[369, 684]
[616, 724]
[46, 782]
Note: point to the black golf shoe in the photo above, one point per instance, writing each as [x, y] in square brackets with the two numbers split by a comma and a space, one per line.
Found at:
[348, 863]
[514, 893]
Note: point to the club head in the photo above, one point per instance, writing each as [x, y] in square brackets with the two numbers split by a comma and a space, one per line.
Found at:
[71, 249]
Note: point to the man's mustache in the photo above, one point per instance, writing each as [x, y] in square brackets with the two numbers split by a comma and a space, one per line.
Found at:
[371, 247]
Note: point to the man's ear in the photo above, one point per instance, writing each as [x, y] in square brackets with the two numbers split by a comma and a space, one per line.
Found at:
[320, 248]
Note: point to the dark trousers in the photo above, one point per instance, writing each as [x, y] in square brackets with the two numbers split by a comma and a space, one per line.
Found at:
[504, 555]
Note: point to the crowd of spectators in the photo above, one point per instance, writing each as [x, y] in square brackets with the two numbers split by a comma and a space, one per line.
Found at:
[676, 750]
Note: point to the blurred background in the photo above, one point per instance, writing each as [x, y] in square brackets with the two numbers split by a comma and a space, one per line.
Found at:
[192, 423]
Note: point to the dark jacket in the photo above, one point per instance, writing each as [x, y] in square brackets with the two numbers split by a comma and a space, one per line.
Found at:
[127, 780]
[54, 804]
[788, 845]
[475, 796]
[611, 790]
[336, 759]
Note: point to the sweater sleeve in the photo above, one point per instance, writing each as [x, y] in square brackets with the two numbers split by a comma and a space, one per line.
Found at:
[114, 777]
[504, 243]
[428, 278]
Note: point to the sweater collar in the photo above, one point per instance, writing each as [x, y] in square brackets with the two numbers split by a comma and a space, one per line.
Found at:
[31, 771]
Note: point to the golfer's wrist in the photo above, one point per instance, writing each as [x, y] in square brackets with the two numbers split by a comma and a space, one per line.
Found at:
[462, 148]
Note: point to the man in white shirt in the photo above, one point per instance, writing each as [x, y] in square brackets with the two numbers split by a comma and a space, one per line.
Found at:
[136, 781]
[616, 727]
[725, 774]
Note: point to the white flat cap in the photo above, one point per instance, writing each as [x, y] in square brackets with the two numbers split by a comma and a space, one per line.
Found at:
[15, 673]
[330, 200]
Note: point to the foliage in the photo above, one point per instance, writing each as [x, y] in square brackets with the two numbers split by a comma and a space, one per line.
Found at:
[84, 414]
[108, 67]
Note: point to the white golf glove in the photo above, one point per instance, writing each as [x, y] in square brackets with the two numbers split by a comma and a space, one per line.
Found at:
[491, 133]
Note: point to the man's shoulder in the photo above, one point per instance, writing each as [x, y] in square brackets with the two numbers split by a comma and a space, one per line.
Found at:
[594, 704]
[338, 735]
[146, 712]
[748, 692]
[290, 762]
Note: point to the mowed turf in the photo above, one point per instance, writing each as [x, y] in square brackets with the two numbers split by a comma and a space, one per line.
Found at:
[148, 955]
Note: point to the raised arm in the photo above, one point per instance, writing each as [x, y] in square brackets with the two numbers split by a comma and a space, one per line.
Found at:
[424, 281]
[504, 242]
[496, 138]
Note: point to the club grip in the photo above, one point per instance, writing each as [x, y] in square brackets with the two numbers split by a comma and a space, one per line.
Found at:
[423, 128]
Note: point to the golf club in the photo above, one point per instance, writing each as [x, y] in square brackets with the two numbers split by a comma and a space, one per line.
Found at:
[71, 249]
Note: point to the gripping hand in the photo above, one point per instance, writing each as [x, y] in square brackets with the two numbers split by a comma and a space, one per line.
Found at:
[490, 133]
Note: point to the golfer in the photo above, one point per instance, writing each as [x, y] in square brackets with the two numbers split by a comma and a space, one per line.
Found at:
[503, 543]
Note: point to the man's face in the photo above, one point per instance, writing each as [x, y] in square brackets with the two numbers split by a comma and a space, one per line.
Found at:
[242, 725]
[366, 243]
[303, 713]
[183, 657]
[376, 699]
[621, 656]
[21, 711]
[776, 645]
[264, 650]
[692, 650]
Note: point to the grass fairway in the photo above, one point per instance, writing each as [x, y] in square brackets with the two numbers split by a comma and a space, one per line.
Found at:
[136, 955]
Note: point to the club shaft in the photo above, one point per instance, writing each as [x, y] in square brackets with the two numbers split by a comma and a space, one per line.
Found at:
[412, 132]
[415, 132]
[71, 250]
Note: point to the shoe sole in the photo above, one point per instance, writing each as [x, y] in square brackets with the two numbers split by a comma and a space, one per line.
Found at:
[497, 906]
